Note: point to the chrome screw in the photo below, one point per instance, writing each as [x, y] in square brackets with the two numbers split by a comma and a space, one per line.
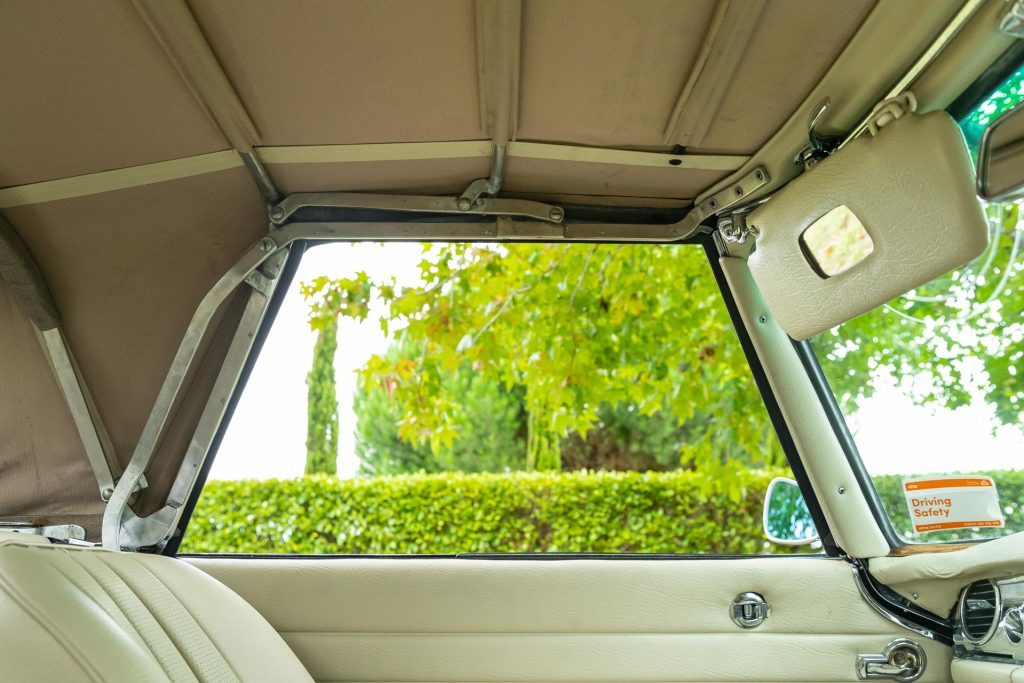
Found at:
[277, 214]
[464, 204]
[762, 319]
[267, 246]
[738, 191]
[842, 490]
[556, 214]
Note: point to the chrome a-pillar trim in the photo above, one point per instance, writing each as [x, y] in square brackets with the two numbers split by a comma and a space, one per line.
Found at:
[858, 569]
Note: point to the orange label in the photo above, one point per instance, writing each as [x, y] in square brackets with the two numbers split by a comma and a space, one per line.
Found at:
[955, 502]
[951, 482]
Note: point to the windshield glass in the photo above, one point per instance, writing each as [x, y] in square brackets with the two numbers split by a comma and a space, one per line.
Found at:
[932, 383]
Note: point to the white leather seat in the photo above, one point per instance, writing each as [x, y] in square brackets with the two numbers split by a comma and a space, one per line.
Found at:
[72, 613]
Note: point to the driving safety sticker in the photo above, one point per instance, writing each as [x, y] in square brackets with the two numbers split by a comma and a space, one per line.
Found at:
[955, 502]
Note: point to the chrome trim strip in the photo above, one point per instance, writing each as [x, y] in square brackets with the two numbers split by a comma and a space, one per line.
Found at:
[894, 618]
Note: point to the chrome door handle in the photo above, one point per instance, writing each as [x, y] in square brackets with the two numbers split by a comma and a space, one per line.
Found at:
[749, 610]
[902, 660]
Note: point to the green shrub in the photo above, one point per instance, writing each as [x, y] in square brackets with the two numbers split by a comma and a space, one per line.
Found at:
[652, 512]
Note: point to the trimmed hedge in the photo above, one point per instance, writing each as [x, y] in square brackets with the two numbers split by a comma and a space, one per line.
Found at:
[651, 512]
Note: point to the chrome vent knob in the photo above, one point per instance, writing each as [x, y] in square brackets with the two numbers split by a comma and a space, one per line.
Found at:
[980, 610]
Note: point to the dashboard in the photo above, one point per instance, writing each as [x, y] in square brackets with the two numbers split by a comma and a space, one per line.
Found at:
[989, 621]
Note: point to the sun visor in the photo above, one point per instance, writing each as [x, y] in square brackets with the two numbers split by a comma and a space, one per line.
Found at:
[887, 213]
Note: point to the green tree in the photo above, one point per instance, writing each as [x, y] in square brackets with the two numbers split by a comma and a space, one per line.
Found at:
[580, 329]
[322, 404]
[328, 299]
[488, 416]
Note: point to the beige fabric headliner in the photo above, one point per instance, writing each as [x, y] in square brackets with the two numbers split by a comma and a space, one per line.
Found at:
[85, 89]
[91, 88]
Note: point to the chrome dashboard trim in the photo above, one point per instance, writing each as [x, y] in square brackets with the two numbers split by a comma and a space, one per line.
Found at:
[881, 609]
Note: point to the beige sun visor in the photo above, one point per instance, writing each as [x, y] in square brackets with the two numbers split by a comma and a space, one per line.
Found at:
[886, 213]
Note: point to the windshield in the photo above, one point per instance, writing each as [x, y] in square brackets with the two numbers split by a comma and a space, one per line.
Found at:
[932, 383]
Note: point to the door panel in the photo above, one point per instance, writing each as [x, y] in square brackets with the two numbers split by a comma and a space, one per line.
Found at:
[566, 620]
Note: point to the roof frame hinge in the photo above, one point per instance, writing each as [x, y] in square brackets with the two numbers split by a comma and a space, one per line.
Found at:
[489, 186]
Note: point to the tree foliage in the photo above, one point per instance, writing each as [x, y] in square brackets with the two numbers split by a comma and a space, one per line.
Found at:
[957, 337]
[577, 329]
[322, 404]
[631, 344]
[327, 300]
[488, 417]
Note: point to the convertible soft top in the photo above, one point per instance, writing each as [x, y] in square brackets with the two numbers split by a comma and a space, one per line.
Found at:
[142, 142]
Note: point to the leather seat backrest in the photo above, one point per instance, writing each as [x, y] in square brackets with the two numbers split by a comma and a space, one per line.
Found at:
[73, 613]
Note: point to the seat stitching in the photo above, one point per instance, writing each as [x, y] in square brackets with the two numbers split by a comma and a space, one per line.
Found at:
[26, 604]
[187, 611]
[128, 618]
[82, 589]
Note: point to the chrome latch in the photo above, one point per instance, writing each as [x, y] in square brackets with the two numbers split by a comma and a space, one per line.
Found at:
[902, 660]
[749, 610]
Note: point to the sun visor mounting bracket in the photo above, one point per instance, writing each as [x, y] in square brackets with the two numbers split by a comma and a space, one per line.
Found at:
[819, 146]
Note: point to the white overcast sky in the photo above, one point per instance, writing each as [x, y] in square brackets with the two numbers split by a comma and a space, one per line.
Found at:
[266, 438]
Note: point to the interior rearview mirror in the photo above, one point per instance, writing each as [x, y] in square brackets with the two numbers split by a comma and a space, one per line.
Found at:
[1001, 157]
[787, 521]
[893, 209]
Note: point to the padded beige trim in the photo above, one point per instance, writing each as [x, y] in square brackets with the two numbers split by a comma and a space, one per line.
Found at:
[912, 188]
[127, 617]
[396, 151]
[622, 157]
[938, 578]
[355, 619]
[179, 35]
[843, 503]
[122, 178]
[971, 671]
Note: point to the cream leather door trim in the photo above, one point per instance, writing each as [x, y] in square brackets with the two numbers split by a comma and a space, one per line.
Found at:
[968, 671]
[351, 619]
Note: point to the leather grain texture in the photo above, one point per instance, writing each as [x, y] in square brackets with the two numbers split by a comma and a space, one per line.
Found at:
[911, 186]
[967, 671]
[351, 619]
[72, 613]
[936, 579]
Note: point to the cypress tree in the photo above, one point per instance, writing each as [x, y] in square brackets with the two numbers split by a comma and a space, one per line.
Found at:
[322, 403]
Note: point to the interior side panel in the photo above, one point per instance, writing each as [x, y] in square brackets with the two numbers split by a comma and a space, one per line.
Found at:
[566, 620]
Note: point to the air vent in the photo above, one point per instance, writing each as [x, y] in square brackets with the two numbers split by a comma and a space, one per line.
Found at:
[979, 611]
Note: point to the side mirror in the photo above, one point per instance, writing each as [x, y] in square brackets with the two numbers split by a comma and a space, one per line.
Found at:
[787, 521]
[1001, 157]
